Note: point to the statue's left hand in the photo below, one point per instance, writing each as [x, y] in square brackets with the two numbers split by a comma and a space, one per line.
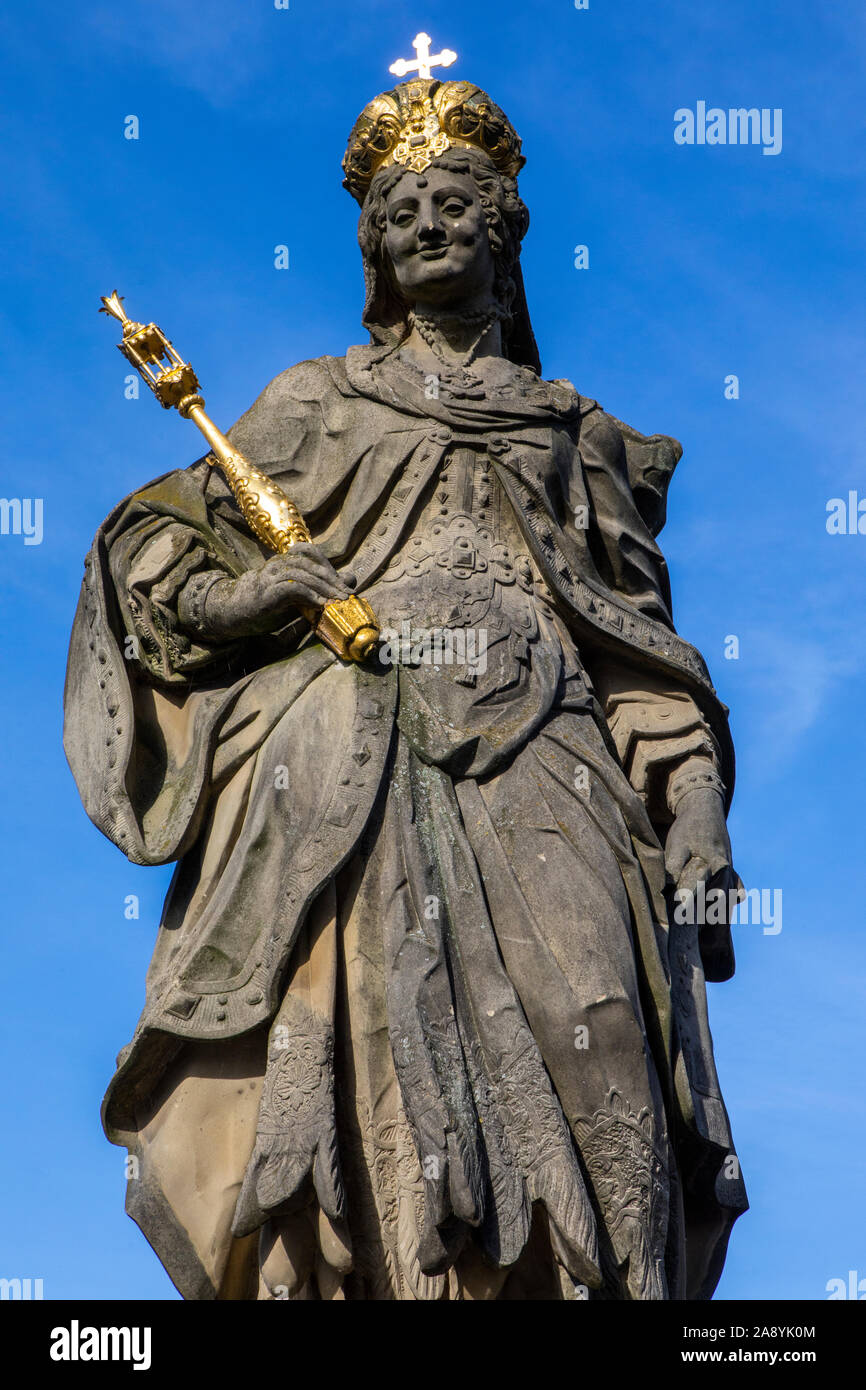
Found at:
[698, 846]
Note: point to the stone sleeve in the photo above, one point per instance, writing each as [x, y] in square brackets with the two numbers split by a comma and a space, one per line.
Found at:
[664, 743]
[192, 601]
[163, 571]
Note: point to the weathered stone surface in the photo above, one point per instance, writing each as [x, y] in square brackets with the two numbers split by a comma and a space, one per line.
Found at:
[419, 1021]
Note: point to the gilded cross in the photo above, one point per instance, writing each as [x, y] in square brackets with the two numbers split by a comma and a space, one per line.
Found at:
[425, 60]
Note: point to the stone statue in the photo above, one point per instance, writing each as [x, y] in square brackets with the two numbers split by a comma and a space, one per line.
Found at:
[421, 1020]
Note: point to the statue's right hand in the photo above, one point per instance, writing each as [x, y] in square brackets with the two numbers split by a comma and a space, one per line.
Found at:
[264, 599]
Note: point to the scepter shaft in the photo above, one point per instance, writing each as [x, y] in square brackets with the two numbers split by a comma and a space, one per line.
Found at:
[348, 626]
[266, 509]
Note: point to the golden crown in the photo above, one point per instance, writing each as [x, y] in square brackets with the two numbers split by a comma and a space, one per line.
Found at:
[422, 118]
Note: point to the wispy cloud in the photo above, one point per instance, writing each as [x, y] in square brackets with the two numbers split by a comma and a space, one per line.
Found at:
[793, 678]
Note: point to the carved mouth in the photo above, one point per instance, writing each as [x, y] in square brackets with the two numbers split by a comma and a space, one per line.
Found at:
[434, 253]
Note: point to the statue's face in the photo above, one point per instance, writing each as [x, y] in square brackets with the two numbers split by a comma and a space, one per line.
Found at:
[436, 238]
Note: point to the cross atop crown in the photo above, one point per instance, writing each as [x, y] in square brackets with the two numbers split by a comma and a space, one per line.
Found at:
[421, 118]
[425, 60]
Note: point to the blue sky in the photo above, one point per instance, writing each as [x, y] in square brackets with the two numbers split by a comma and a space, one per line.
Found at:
[705, 261]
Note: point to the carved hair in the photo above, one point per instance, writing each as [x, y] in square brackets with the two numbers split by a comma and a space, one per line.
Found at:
[507, 222]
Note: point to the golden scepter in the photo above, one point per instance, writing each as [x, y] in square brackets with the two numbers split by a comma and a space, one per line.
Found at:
[347, 625]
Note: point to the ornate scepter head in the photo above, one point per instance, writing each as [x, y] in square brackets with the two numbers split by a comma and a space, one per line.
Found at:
[348, 626]
[145, 346]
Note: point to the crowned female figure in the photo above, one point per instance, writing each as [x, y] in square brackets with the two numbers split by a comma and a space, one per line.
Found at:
[423, 1020]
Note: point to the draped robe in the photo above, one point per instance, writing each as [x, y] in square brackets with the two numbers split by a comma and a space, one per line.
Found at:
[419, 1021]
